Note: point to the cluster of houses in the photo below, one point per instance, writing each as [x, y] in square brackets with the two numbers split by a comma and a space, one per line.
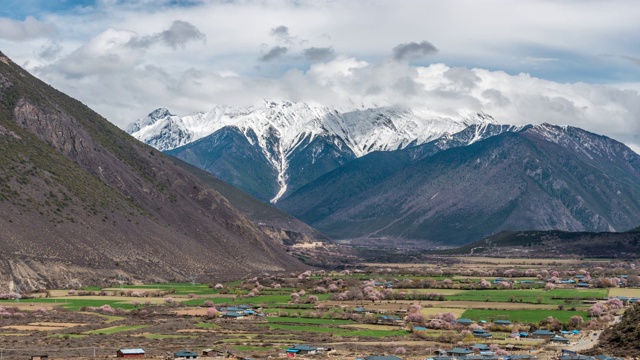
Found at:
[240, 311]
[182, 354]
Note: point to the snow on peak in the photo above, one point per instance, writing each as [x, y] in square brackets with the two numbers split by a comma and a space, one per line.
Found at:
[280, 126]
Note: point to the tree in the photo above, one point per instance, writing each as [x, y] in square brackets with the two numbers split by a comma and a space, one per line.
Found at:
[484, 284]
[598, 309]
[549, 286]
[576, 322]
[212, 312]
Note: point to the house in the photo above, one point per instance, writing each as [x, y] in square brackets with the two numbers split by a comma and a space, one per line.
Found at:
[390, 319]
[480, 347]
[523, 334]
[459, 352]
[542, 334]
[130, 353]
[419, 328]
[185, 354]
[559, 339]
[232, 314]
[575, 357]
[463, 321]
[302, 349]
[212, 352]
[503, 322]
[481, 333]
[39, 357]
[499, 280]
[521, 357]
[607, 357]
[581, 284]
[379, 357]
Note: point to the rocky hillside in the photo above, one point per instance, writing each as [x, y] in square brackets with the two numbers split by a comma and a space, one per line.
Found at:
[82, 202]
[533, 178]
[622, 339]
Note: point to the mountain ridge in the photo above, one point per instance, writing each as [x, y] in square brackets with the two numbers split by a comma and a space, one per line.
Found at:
[82, 202]
[538, 177]
[282, 130]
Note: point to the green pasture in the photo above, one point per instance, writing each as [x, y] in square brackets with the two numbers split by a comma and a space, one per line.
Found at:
[272, 300]
[76, 303]
[337, 331]
[522, 316]
[314, 321]
[534, 296]
[115, 329]
[167, 336]
[207, 326]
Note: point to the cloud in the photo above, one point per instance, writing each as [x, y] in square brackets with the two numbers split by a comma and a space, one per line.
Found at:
[178, 35]
[633, 60]
[274, 53]
[106, 54]
[50, 50]
[282, 33]
[30, 28]
[319, 54]
[122, 59]
[413, 50]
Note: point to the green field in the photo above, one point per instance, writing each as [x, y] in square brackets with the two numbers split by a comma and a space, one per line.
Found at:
[115, 329]
[77, 303]
[313, 321]
[164, 336]
[338, 331]
[523, 316]
[534, 296]
[207, 326]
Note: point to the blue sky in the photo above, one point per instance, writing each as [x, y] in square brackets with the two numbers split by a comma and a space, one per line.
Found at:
[573, 62]
[20, 9]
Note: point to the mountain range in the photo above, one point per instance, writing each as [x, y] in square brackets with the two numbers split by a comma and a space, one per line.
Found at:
[391, 175]
[272, 149]
[83, 203]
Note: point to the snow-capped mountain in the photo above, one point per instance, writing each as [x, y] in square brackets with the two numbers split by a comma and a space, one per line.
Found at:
[476, 183]
[282, 130]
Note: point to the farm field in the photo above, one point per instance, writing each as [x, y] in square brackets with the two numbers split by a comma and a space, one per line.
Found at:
[370, 311]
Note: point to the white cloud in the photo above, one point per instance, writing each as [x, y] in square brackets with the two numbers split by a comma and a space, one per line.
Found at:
[29, 29]
[341, 53]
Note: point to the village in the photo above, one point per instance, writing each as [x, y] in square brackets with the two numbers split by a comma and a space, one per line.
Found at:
[447, 311]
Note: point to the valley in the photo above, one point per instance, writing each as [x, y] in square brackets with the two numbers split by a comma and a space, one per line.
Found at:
[276, 179]
[413, 311]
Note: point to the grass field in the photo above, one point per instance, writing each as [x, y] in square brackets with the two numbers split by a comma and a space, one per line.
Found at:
[207, 326]
[535, 296]
[76, 303]
[525, 316]
[293, 320]
[166, 336]
[115, 329]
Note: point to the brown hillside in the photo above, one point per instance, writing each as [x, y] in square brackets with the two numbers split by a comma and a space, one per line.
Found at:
[81, 201]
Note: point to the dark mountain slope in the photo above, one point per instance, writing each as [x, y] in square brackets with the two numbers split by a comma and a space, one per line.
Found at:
[81, 201]
[343, 185]
[554, 243]
[238, 159]
[228, 155]
[541, 177]
[261, 213]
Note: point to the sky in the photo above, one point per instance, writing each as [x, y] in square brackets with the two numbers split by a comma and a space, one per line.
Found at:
[566, 62]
